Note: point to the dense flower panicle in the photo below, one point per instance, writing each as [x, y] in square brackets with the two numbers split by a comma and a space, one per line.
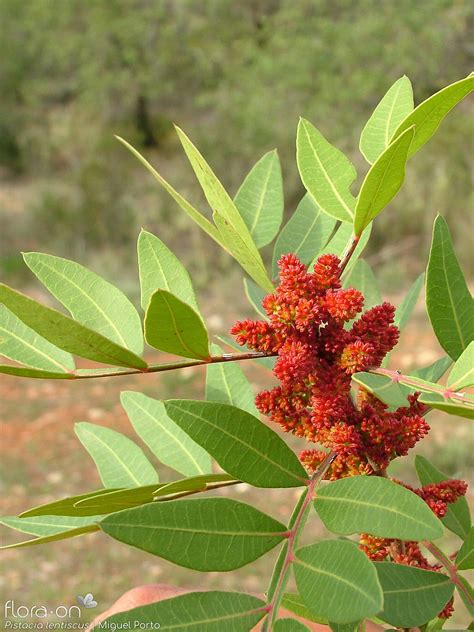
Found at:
[311, 328]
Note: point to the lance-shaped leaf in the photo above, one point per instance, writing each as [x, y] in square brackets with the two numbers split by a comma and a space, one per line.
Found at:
[382, 182]
[226, 383]
[457, 518]
[120, 462]
[23, 371]
[90, 299]
[245, 255]
[160, 269]
[294, 603]
[362, 278]
[66, 333]
[242, 445]
[20, 343]
[394, 107]
[226, 215]
[337, 581]
[175, 327]
[166, 440]
[448, 300]
[462, 374]
[305, 234]
[289, 625]
[411, 596]
[406, 307]
[64, 506]
[206, 534]
[260, 199]
[341, 241]
[47, 525]
[325, 172]
[428, 115]
[255, 296]
[375, 505]
[465, 556]
[46, 539]
[212, 611]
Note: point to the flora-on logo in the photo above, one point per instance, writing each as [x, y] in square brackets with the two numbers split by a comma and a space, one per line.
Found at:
[87, 601]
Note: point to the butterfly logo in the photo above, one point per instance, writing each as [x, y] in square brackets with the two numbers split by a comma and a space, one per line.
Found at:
[87, 601]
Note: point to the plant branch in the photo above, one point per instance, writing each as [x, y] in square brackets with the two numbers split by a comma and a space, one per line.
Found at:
[297, 521]
[451, 568]
[348, 254]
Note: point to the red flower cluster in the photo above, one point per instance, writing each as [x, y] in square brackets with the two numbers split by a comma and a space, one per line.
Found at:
[308, 329]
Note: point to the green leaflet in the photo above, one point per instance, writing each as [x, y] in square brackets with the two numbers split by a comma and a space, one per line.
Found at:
[289, 625]
[325, 172]
[382, 182]
[462, 374]
[337, 581]
[457, 518]
[175, 327]
[457, 407]
[66, 333]
[120, 462]
[394, 107]
[242, 445]
[375, 505]
[448, 300]
[20, 343]
[166, 440]
[255, 296]
[90, 299]
[406, 307]
[63, 535]
[260, 199]
[160, 269]
[411, 596]
[294, 603]
[251, 263]
[305, 233]
[48, 528]
[64, 507]
[340, 243]
[384, 388]
[22, 371]
[428, 115]
[465, 557]
[362, 278]
[434, 371]
[212, 611]
[205, 534]
[467, 596]
[226, 383]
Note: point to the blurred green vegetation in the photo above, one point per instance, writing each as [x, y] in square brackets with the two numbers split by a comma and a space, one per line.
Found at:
[236, 76]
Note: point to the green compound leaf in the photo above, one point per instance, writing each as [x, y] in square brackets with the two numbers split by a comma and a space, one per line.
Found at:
[362, 278]
[462, 374]
[255, 296]
[448, 300]
[457, 518]
[21, 344]
[212, 611]
[382, 182]
[160, 269]
[166, 440]
[378, 506]
[260, 199]
[175, 327]
[90, 299]
[305, 234]
[289, 625]
[411, 596]
[226, 383]
[340, 243]
[65, 506]
[337, 581]
[465, 556]
[325, 172]
[66, 333]
[294, 603]
[206, 534]
[456, 407]
[120, 462]
[394, 107]
[241, 444]
[428, 116]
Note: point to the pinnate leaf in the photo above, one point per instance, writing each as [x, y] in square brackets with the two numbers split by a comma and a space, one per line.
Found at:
[260, 199]
[337, 581]
[242, 445]
[206, 534]
[385, 119]
[120, 462]
[173, 326]
[448, 300]
[411, 596]
[375, 505]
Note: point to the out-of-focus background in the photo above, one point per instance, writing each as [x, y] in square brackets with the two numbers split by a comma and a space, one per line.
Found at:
[236, 76]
